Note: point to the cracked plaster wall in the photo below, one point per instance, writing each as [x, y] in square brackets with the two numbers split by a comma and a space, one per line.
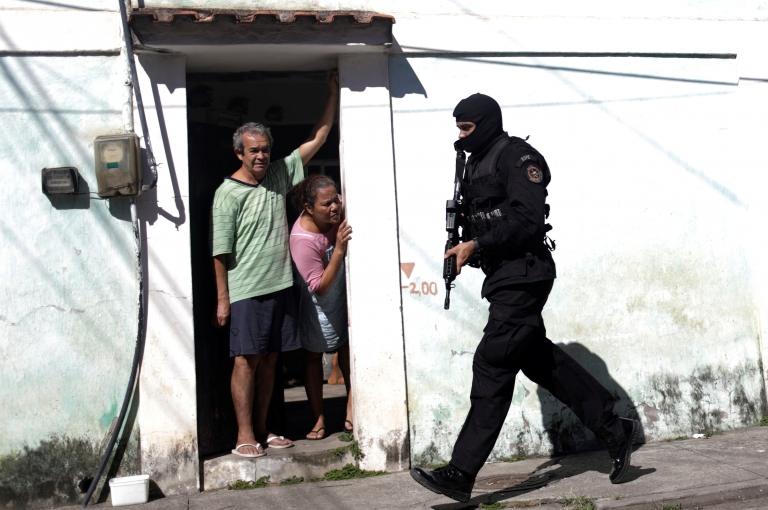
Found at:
[68, 319]
[69, 299]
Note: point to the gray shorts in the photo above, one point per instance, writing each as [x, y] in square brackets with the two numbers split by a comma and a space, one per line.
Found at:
[263, 324]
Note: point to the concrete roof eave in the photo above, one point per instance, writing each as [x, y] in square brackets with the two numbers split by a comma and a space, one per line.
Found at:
[236, 58]
[231, 41]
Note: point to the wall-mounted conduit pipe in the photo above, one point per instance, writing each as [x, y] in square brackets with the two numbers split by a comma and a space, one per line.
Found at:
[128, 41]
[138, 353]
[135, 367]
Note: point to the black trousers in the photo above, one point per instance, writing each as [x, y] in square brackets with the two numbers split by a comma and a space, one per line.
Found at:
[515, 339]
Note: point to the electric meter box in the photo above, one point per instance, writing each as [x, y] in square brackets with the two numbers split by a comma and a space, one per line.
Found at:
[117, 165]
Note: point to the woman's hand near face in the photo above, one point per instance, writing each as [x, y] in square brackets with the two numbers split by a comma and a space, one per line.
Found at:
[343, 235]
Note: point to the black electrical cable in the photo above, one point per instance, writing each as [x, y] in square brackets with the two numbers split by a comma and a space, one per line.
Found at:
[137, 92]
[132, 380]
[140, 333]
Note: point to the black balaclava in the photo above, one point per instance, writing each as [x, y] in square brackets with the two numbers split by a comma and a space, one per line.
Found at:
[485, 112]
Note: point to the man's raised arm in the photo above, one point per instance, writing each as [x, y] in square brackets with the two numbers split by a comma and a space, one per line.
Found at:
[308, 149]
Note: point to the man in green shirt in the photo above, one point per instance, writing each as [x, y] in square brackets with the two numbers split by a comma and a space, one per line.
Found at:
[252, 265]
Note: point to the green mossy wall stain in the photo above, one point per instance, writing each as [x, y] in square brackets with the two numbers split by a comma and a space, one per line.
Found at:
[48, 475]
[429, 457]
[701, 393]
[668, 388]
[106, 419]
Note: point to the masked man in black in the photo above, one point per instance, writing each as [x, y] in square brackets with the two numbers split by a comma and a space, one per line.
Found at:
[504, 232]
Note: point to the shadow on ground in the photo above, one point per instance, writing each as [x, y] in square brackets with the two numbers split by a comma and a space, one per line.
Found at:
[504, 487]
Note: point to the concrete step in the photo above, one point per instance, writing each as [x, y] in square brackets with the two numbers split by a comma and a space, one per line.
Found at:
[309, 460]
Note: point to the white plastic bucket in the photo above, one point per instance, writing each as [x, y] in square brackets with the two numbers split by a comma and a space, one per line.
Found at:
[129, 490]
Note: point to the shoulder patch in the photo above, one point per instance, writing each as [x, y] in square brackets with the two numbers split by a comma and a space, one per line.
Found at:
[523, 159]
[534, 173]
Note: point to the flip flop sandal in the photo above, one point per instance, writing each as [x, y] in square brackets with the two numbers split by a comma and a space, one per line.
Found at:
[260, 450]
[351, 426]
[270, 439]
[319, 434]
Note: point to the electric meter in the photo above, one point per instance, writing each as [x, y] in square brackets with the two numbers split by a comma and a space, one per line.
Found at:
[60, 181]
[117, 165]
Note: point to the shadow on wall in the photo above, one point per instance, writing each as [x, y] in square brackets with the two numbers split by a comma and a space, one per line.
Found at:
[79, 200]
[150, 209]
[565, 431]
[48, 474]
[407, 81]
[59, 470]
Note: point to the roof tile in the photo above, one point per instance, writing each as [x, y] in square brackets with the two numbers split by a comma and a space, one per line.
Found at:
[251, 16]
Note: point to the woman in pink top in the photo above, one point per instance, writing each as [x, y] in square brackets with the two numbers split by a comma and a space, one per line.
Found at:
[318, 245]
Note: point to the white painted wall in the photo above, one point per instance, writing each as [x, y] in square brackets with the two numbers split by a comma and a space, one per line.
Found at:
[68, 323]
[68, 304]
[655, 169]
[751, 109]
[650, 222]
[375, 322]
[69, 297]
[168, 412]
[52, 28]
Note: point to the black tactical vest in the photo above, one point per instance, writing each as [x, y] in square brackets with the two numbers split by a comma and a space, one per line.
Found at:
[486, 203]
[484, 190]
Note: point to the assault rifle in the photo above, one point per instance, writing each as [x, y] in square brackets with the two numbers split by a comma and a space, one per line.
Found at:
[452, 208]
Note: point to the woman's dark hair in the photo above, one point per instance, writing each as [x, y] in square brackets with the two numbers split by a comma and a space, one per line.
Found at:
[305, 192]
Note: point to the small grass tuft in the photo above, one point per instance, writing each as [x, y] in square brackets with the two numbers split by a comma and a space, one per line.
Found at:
[491, 506]
[352, 448]
[340, 451]
[357, 453]
[513, 458]
[292, 480]
[239, 485]
[578, 503]
[348, 472]
[346, 437]
[764, 421]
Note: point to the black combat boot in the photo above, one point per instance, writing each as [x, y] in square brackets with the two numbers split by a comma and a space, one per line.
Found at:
[620, 449]
[447, 480]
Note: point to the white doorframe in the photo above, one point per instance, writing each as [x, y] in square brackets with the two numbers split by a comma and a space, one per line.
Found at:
[168, 397]
[373, 266]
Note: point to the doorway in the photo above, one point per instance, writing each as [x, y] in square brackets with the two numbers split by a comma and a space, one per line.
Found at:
[217, 103]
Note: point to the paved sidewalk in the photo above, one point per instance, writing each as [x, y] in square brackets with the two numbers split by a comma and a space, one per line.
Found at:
[725, 472]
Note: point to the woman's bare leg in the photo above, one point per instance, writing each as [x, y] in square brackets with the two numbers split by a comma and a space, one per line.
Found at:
[344, 365]
[313, 384]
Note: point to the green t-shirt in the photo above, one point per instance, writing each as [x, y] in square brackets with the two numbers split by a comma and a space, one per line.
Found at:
[248, 224]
